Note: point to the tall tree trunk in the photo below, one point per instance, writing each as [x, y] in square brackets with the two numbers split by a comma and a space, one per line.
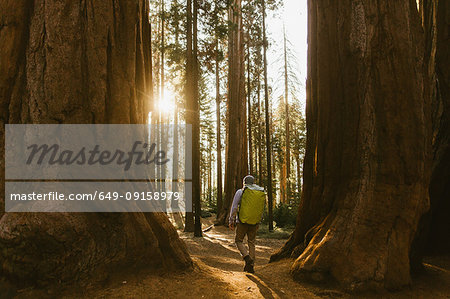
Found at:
[236, 166]
[439, 236]
[249, 113]
[163, 49]
[287, 154]
[210, 176]
[175, 173]
[219, 141]
[178, 216]
[434, 234]
[195, 113]
[260, 137]
[210, 172]
[366, 168]
[164, 116]
[268, 133]
[190, 100]
[157, 70]
[160, 88]
[78, 63]
[175, 154]
[299, 173]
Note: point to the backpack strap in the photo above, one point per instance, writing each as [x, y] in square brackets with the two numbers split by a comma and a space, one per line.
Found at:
[239, 206]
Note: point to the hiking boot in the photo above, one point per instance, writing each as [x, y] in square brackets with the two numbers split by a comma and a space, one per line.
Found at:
[248, 264]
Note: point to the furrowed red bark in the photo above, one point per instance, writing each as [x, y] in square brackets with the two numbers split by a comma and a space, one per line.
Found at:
[438, 240]
[433, 236]
[78, 63]
[236, 159]
[367, 163]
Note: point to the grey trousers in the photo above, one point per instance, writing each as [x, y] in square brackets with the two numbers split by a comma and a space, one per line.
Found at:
[243, 229]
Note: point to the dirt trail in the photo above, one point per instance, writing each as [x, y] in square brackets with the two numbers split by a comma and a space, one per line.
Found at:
[216, 253]
[218, 274]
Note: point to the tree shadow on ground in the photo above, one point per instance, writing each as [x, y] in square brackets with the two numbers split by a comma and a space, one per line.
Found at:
[263, 288]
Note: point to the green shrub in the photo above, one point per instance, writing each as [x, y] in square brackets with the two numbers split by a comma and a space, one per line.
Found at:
[205, 214]
[284, 215]
[209, 201]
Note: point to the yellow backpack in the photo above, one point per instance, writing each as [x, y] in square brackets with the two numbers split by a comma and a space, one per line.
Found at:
[252, 206]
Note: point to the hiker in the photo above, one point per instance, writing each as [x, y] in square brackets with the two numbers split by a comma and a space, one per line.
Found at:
[248, 206]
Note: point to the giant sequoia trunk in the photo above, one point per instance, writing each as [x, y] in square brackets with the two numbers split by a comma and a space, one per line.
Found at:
[236, 159]
[438, 240]
[367, 164]
[433, 236]
[78, 62]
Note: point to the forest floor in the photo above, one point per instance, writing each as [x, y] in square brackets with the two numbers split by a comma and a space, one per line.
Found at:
[218, 274]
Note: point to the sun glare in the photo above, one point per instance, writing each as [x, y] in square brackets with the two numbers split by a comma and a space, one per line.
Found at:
[167, 103]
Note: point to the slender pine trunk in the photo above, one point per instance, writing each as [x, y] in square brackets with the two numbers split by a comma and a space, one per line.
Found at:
[268, 141]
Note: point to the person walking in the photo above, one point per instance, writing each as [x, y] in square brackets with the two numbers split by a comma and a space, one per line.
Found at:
[245, 215]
